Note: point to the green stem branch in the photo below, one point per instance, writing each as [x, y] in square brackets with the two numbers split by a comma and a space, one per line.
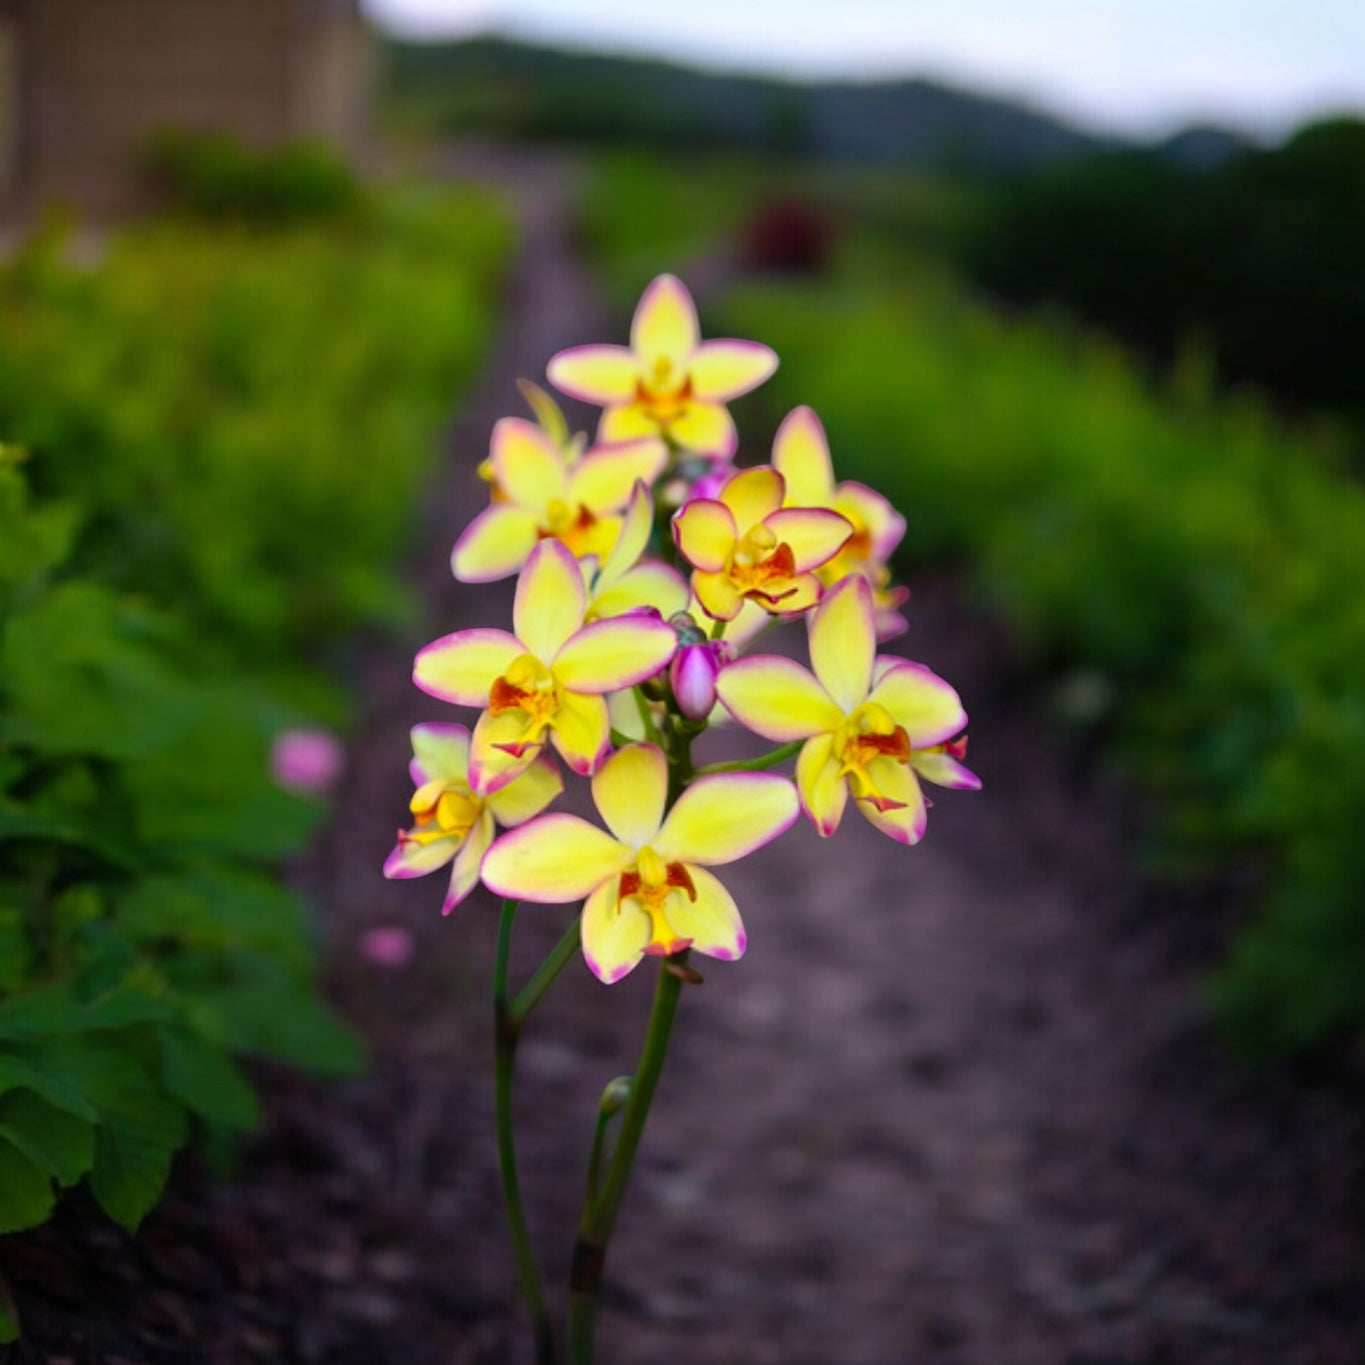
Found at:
[753, 765]
[600, 1215]
[561, 955]
[506, 1031]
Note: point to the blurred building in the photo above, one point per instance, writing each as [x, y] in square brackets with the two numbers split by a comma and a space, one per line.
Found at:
[86, 85]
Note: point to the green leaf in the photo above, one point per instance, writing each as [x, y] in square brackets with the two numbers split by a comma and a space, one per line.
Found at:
[19, 1073]
[18, 824]
[26, 1191]
[207, 1080]
[59, 1010]
[57, 1141]
[16, 950]
[141, 1127]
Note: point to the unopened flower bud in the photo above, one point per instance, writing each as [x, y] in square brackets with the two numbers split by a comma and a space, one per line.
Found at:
[693, 676]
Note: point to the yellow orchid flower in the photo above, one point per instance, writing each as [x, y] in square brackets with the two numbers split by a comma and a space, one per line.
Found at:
[646, 881]
[744, 545]
[801, 456]
[870, 724]
[668, 382]
[546, 681]
[627, 582]
[539, 496]
[452, 823]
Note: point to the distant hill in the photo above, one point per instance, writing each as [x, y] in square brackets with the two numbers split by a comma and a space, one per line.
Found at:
[498, 86]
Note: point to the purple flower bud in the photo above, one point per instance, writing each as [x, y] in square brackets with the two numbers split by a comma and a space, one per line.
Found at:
[693, 676]
[710, 483]
[308, 761]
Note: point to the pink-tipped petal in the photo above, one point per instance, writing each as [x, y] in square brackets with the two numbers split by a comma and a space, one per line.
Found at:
[664, 328]
[614, 934]
[553, 858]
[649, 585]
[814, 534]
[705, 429]
[495, 544]
[705, 532]
[527, 794]
[883, 525]
[711, 920]
[900, 813]
[628, 422]
[529, 469]
[722, 370]
[918, 699]
[717, 595]
[843, 642]
[463, 667]
[550, 601]
[776, 698]
[945, 771]
[411, 858]
[801, 456]
[637, 524]
[629, 791]
[498, 752]
[619, 652]
[821, 784]
[464, 871]
[602, 481]
[723, 817]
[440, 753]
[753, 495]
[582, 732]
[595, 374]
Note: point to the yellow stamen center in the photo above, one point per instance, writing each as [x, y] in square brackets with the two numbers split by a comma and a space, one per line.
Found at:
[652, 882]
[763, 566]
[529, 687]
[441, 811]
[571, 524]
[868, 734]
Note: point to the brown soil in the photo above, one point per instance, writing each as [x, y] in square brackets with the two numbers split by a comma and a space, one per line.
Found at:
[960, 1104]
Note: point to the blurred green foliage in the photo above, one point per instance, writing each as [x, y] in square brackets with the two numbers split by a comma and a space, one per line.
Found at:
[216, 176]
[1260, 256]
[225, 432]
[1204, 560]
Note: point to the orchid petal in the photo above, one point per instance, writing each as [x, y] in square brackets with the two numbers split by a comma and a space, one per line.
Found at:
[843, 642]
[821, 784]
[717, 595]
[777, 698]
[527, 794]
[801, 456]
[439, 753]
[723, 817]
[648, 584]
[464, 871]
[614, 933]
[528, 468]
[705, 533]
[550, 600]
[945, 771]
[463, 667]
[417, 857]
[799, 594]
[494, 544]
[919, 700]
[595, 374]
[753, 495]
[813, 533]
[905, 821]
[722, 370]
[582, 732]
[705, 429]
[499, 751]
[711, 919]
[630, 422]
[631, 539]
[602, 481]
[553, 858]
[629, 790]
[665, 324]
[615, 653]
[879, 520]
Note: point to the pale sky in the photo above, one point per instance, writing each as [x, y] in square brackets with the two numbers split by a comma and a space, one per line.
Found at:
[1142, 66]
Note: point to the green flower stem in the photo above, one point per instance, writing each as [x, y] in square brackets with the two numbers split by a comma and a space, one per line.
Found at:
[646, 716]
[753, 765]
[718, 630]
[614, 1099]
[506, 1031]
[561, 955]
[599, 1216]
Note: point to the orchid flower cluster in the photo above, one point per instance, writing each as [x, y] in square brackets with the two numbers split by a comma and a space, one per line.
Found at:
[648, 568]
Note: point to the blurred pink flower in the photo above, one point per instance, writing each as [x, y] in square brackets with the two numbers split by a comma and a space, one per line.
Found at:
[307, 761]
[388, 946]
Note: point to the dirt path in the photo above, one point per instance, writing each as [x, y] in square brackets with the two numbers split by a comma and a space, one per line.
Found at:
[959, 1105]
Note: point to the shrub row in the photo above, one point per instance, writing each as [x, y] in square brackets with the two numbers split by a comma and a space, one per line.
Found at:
[217, 442]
